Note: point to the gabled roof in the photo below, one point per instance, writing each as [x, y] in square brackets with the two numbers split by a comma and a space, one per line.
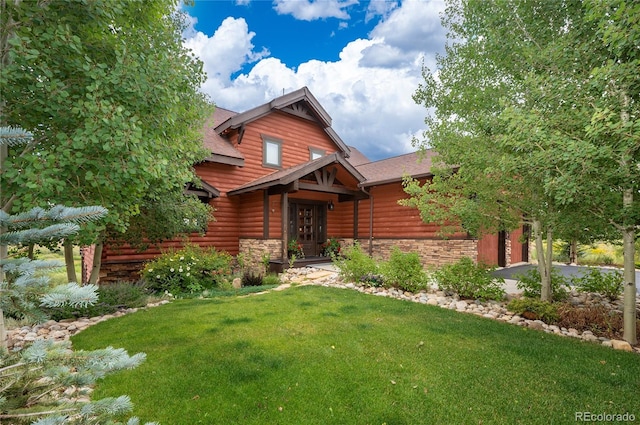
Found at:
[289, 175]
[300, 103]
[221, 149]
[357, 158]
[415, 164]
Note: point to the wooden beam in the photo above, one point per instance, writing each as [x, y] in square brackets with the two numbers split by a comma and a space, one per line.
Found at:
[332, 189]
[332, 176]
[291, 187]
[265, 214]
[284, 205]
[355, 219]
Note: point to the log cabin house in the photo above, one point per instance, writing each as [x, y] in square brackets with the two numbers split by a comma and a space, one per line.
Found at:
[279, 172]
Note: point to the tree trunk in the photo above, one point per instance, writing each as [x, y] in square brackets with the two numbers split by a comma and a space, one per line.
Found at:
[573, 252]
[629, 312]
[628, 239]
[69, 261]
[97, 262]
[544, 260]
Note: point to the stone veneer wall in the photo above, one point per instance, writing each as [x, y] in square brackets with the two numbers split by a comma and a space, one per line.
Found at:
[433, 252]
[254, 249]
[128, 271]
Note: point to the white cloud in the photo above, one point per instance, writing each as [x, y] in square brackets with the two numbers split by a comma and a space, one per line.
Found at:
[309, 10]
[413, 27]
[367, 91]
[227, 50]
[380, 8]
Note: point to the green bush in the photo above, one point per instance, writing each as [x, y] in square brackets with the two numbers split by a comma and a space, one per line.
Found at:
[251, 278]
[610, 284]
[355, 264]
[271, 279]
[531, 284]
[111, 298]
[470, 280]
[534, 309]
[404, 270]
[188, 270]
[372, 280]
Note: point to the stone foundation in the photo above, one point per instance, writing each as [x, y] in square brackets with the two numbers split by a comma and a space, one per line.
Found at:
[117, 272]
[433, 252]
[254, 250]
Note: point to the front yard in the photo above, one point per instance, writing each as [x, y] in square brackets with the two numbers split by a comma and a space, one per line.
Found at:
[314, 355]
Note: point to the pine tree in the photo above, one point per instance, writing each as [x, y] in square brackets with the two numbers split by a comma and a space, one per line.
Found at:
[32, 379]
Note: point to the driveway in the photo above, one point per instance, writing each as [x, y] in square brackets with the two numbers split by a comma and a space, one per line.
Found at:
[567, 271]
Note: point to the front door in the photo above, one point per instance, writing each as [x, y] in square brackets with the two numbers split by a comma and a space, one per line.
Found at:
[310, 224]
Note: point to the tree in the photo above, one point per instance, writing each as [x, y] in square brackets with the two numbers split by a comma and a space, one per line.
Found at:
[160, 220]
[30, 379]
[543, 97]
[112, 98]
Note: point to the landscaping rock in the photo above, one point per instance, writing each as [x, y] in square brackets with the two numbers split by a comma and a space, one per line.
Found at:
[237, 283]
[621, 345]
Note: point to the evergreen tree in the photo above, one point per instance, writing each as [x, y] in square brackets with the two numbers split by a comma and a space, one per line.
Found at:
[32, 379]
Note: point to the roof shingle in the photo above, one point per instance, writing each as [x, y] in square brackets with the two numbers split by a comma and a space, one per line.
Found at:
[390, 170]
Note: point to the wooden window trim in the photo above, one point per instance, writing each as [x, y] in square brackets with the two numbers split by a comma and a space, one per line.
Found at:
[316, 151]
[266, 140]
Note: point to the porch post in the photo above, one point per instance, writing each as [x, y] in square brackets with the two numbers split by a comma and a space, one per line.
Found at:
[371, 221]
[284, 206]
[265, 214]
[356, 202]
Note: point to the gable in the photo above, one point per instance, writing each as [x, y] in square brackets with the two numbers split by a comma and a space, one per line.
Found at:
[300, 103]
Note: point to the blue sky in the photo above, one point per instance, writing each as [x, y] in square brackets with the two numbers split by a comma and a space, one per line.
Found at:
[362, 60]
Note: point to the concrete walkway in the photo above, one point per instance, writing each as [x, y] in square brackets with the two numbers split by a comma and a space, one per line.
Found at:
[508, 273]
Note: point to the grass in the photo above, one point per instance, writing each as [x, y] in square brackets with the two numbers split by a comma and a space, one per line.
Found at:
[314, 355]
[59, 276]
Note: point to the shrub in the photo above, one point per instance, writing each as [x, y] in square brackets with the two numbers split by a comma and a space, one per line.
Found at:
[470, 280]
[531, 284]
[534, 309]
[188, 270]
[331, 248]
[271, 279]
[355, 264]
[251, 278]
[404, 270]
[610, 284]
[597, 319]
[294, 248]
[372, 280]
[111, 298]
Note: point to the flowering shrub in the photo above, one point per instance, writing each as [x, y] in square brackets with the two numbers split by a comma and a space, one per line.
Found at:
[331, 248]
[188, 270]
[295, 248]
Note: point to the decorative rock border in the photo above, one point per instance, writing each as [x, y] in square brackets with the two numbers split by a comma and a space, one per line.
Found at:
[490, 309]
[63, 330]
[60, 331]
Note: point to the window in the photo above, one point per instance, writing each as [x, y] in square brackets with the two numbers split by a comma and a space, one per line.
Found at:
[315, 153]
[272, 152]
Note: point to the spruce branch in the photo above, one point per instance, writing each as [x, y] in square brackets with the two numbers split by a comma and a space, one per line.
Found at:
[12, 136]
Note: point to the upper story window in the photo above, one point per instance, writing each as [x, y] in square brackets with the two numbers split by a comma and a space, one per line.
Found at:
[271, 152]
[315, 153]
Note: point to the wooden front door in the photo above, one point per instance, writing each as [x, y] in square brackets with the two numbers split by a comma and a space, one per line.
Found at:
[310, 225]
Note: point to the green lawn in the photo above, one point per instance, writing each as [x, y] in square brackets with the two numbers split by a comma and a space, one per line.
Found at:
[314, 355]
